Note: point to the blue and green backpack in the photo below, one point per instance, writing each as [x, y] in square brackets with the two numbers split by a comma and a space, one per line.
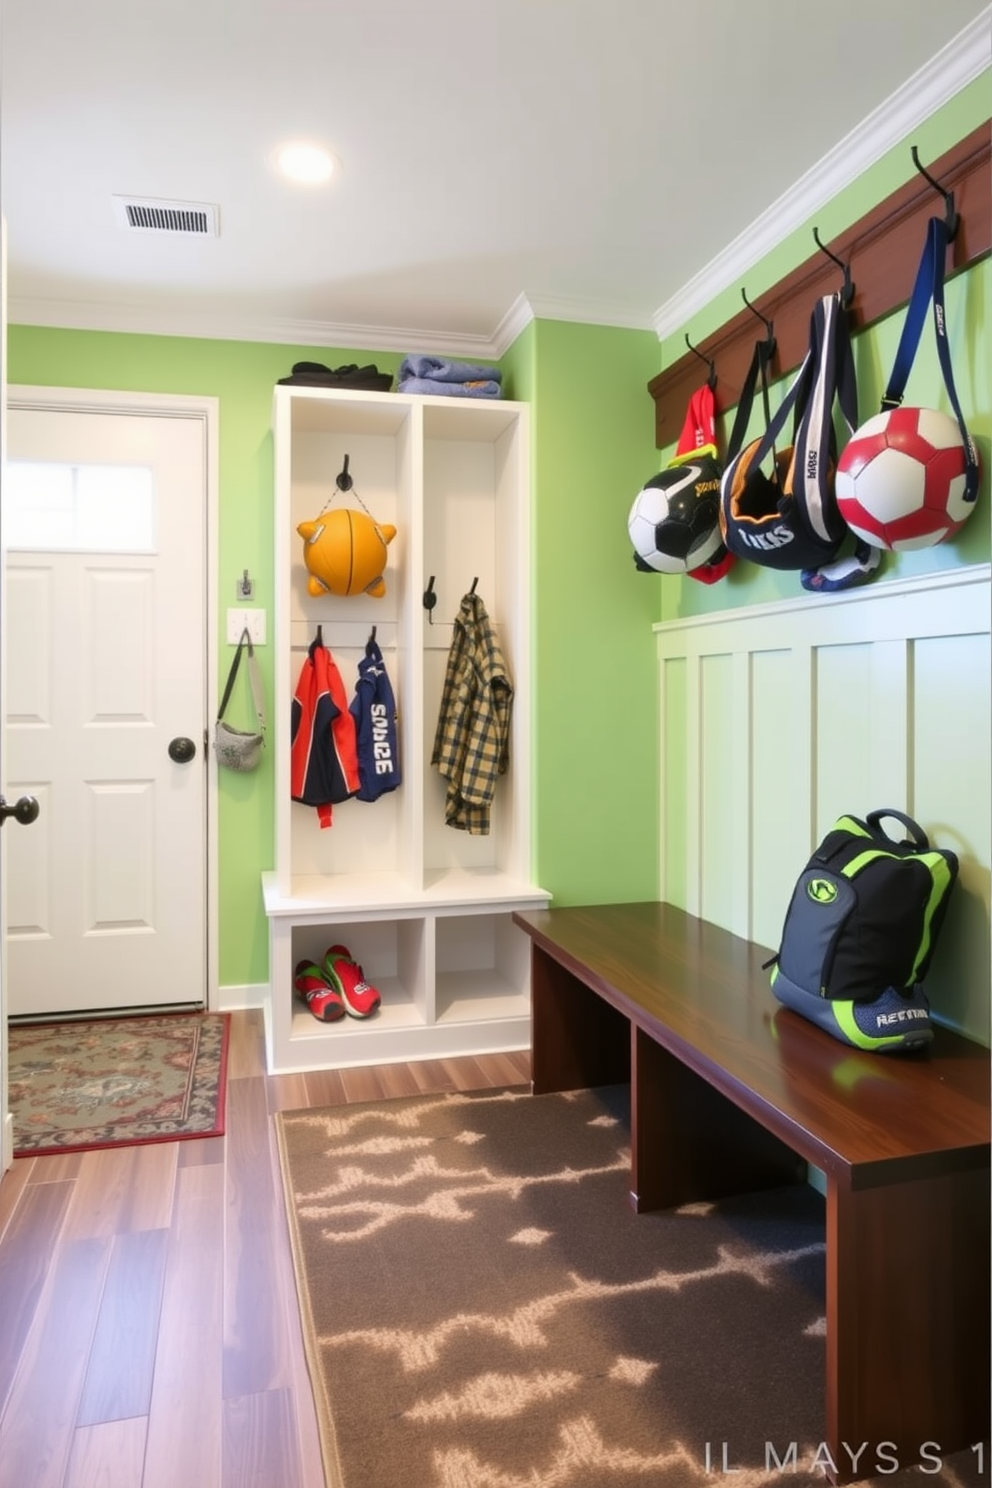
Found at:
[860, 932]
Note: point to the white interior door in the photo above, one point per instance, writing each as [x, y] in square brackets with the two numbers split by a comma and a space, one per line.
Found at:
[105, 526]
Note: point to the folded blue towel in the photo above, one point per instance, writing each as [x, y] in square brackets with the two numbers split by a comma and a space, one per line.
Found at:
[481, 389]
[441, 370]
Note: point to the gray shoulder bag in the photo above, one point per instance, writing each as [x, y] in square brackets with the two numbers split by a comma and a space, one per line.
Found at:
[235, 748]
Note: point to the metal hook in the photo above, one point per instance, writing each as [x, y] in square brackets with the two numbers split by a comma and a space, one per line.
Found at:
[951, 218]
[474, 582]
[711, 379]
[768, 325]
[847, 293]
[430, 599]
[344, 481]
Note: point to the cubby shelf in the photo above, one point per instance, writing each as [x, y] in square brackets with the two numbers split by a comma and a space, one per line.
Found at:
[426, 910]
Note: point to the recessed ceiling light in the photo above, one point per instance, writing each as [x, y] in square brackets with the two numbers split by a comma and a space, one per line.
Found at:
[308, 164]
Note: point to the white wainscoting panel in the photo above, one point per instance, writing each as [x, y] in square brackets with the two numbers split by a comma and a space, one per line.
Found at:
[777, 719]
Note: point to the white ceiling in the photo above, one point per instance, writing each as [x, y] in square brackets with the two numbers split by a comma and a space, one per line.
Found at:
[583, 159]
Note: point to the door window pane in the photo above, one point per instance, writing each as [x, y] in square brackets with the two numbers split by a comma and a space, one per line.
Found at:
[78, 508]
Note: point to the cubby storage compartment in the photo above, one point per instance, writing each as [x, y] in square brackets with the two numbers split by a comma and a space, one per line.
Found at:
[424, 907]
[391, 954]
[481, 968]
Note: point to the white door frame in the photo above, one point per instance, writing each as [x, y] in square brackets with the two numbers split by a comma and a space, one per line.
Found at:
[89, 400]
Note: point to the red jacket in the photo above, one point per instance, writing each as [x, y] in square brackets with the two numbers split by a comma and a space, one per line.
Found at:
[324, 754]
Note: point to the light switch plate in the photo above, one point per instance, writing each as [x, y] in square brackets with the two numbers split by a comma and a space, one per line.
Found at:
[237, 620]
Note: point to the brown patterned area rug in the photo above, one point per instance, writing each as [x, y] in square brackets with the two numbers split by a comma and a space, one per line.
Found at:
[111, 1082]
[482, 1309]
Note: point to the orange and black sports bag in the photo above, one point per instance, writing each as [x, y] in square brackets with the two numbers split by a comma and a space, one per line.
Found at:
[789, 519]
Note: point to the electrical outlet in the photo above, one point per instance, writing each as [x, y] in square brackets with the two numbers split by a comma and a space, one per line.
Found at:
[239, 620]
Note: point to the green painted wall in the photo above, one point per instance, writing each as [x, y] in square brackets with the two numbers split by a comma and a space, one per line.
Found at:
[596, 717]
[518, 365]
[969, 319]
[595, 745]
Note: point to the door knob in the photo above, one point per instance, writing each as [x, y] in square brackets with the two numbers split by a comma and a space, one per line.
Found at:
[26, 810]
[182, 750]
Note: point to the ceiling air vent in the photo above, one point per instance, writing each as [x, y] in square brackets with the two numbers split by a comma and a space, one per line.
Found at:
[147, 214]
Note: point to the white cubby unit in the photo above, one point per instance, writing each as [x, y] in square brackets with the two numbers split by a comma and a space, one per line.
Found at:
[425, 908]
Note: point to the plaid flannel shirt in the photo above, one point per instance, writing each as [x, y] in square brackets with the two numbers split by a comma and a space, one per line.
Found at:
[471, 745]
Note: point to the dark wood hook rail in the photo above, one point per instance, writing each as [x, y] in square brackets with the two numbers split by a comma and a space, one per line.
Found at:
[882, 250]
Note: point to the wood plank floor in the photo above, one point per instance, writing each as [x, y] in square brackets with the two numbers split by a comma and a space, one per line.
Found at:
[149, 1333]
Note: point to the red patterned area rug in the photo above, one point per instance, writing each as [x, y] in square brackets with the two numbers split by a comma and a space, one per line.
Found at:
[117, 1081]
[482, 1309]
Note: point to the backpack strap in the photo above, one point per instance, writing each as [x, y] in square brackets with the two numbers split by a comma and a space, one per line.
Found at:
[929, 287]
[830, 377]
[745, 403]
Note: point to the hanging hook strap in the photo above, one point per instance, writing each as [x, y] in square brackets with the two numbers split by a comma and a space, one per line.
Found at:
[951, 218]
[768, 325]
[847, 293]
[711, 379]
[928, 292]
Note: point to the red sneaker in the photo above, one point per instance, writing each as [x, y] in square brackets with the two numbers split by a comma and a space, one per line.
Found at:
[323, 1000]
[341, 969]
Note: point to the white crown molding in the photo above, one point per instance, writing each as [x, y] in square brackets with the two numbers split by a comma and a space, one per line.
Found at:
[526, 308]
[516, 319]
[953, 68]
[152, 320]
[588, 312]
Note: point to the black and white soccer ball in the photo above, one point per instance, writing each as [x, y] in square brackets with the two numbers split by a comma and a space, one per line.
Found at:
[674, 523]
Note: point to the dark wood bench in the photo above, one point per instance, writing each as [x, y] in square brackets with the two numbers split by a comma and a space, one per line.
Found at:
[732, 1093]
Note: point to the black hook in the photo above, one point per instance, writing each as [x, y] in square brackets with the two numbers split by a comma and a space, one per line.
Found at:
[474, 582]
[769, 347]
[951, 218]
[430, 599]
[371, 639]
[711, 379]
[344, 481]
[847, 293]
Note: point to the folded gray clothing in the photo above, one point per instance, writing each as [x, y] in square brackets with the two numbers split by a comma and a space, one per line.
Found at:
[481, 389]
[441, 370]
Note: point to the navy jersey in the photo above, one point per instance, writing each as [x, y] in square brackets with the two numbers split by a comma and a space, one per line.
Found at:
[374, 711]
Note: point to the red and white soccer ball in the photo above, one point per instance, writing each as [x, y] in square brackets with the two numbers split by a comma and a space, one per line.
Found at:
[900, 480]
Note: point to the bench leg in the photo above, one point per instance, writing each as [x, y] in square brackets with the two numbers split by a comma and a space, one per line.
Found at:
[577, 1039]
[689, 1142]
[907, 1320]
